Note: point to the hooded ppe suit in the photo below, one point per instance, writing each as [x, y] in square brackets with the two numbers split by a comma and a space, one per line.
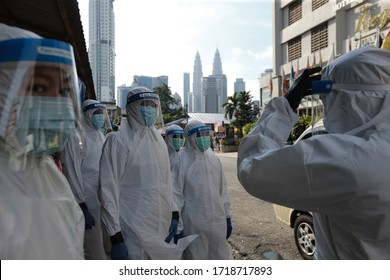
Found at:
[174, 138]
[82, 171]
[136, 184]
[343, 177]
[39, 106]
[201, 194]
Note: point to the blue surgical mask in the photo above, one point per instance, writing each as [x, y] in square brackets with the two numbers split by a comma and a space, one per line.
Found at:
[97, 121]
[44, 124]
[149, 115]
[177, 143]
[203, 143]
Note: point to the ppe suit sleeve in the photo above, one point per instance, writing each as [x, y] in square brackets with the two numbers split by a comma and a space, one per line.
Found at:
[225, 193]
[178, 190]
[72, 157]
[319, 174]
[112, 164]
[268, 169]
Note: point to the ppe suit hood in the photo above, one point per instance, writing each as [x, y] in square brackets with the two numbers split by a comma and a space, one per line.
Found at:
[190, 139]
[360, 94]
[170, 132]
[89, 113]
[133, 107]
[6, 75]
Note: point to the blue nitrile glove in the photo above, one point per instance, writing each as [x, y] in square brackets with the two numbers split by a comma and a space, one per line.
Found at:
[229, 227]
[118, 248]
[89, 219]
[173, 228]
[176, 237]
[302, 87]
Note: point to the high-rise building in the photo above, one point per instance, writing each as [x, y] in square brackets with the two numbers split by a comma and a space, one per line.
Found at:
[102, 48]
[216, 86]
[122, 97]
[186, 87]
[150, 82]
[239, 85]
[211, 94]
[197, 85]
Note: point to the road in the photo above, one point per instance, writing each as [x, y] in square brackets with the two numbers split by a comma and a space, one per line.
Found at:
[257, 234]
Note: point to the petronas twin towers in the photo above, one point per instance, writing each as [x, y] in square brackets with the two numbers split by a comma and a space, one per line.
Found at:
[208, 93]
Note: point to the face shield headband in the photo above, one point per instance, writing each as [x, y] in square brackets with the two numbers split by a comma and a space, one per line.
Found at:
[198, 129]
[144, 96]
[94, 106]
[176, 132]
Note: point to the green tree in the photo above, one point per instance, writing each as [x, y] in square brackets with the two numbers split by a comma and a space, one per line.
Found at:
[231, 106]
[240, 106]
[168, 104]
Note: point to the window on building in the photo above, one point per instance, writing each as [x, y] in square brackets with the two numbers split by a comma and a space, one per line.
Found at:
[315, 4]
[319, 37]
[294, 48]
[294, 11]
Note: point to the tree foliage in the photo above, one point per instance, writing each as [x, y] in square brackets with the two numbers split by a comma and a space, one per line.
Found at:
[168, 104]
[240, 105]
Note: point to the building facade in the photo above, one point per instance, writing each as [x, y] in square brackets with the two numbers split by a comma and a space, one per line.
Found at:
[309, 33]
[101, 51]
[239, 85]
[150, 82]
[197, 85]
[186, 87]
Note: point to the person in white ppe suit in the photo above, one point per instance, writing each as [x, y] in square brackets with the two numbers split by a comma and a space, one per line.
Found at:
[201, 193]
[39, 107]
[81, 167]
[138, 212]
[342, 177]
[174, 138]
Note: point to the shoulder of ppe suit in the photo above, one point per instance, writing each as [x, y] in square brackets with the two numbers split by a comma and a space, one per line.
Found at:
[116, 142]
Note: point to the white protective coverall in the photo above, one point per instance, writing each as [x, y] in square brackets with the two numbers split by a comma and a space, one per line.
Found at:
[136, 187]
[343, 177]
[173, 130]
[201, 194]
[39, 216]
[81, 167]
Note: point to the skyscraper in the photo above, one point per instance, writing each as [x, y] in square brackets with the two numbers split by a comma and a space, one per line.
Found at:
[102, 48]
[215, 88]
[186, 87]
[239, 85]
[197, 84]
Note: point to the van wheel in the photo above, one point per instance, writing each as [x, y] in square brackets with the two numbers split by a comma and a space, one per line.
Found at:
[304, 236]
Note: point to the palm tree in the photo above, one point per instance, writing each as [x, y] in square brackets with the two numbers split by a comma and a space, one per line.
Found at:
[232, 106]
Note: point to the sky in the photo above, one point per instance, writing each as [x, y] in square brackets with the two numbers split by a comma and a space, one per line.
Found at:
[155, 38]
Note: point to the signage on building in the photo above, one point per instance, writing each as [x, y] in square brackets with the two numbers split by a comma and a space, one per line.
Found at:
[342, 4]
[368, 20]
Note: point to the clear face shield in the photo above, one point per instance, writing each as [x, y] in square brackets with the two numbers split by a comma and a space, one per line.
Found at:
[175, 139]
[146, 109]
[202, 137]
[96, 116]
[41, 95]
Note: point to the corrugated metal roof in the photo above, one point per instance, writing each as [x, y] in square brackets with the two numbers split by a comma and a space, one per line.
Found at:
[206, 118]
[209, 118]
